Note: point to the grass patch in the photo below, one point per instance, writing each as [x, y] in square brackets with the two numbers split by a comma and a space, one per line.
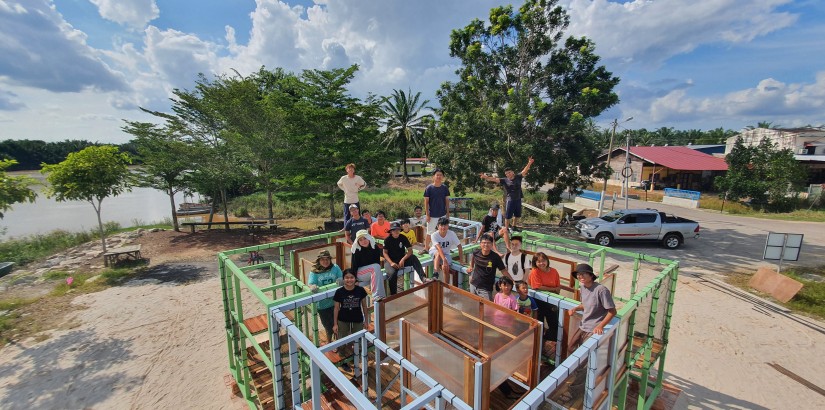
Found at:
[810, 300]
[12, 315]
[82, 284]
[31, 248]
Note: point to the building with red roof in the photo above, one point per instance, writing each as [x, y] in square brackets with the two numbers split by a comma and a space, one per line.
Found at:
[668, 167]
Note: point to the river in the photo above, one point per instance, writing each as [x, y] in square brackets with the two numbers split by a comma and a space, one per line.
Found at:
[141, 205]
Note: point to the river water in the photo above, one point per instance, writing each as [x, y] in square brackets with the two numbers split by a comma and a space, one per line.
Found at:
[141, 205]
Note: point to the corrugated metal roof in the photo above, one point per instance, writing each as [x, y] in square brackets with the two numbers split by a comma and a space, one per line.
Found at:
[680, 158]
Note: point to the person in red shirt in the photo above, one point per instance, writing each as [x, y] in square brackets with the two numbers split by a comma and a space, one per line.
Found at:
[545, 278]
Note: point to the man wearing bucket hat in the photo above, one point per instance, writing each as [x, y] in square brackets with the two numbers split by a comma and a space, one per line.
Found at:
[398, 253]
[325, 272]
[597, 303]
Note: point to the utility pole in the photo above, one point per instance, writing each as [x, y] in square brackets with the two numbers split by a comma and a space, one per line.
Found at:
[626, 171]
[615, 124]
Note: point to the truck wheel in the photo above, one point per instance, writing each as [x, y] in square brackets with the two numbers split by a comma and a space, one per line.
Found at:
[672, 241]
[604, 239]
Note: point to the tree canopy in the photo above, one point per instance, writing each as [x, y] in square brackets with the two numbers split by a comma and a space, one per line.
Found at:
[405, 127]
[92, 175]
[14, 189]
[523, 89]
[770, 177]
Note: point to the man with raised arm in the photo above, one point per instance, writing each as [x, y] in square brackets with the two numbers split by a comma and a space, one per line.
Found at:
[512, 185]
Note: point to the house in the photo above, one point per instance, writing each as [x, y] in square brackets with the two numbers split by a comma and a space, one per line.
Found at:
[415, 167]
[671, 167]
[807, 144]
[717, 150]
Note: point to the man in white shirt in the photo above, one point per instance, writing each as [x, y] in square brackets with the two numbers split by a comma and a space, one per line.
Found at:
[351, 184]
[443, 242]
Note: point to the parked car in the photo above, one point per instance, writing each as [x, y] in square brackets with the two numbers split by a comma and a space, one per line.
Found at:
[638, 225]
[645, 185]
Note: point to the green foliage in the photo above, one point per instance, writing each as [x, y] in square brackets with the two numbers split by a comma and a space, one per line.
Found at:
[25, 250]
[770, 178]
[32, 153]
[405, 127]
[14, 189]
[91, 174]
[811, 299]
[524, 90]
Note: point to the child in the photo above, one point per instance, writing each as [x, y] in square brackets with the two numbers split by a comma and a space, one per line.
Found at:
[597, 303]
[366, 215]
[365, 262]
[350, 311]
[506, 298]
[526, 304]
[381, 227]
[443, 242]
[518, 265]
[398, 254]
[408, 232]
[323, 273]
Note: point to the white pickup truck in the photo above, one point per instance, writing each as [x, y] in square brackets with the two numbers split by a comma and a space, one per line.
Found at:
[638, 225]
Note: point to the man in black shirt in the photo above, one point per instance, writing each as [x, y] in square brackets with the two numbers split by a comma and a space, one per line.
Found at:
[489, 225]
[512, 186]
[484, 263]
[355, 224]
[398, 253]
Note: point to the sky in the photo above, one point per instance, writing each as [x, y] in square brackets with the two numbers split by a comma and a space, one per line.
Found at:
[75, 69]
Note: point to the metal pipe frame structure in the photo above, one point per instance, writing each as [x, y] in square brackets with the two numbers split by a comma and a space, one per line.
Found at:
[609, 362]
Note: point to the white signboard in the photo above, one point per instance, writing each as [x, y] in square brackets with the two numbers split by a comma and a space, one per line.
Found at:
[783, 246]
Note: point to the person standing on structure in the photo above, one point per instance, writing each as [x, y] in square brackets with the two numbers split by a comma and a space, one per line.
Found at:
[436, 204]
[512, 185]
[351, 184]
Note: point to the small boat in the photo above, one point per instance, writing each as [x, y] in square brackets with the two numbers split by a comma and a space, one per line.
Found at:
[5, 268]
[192, 208]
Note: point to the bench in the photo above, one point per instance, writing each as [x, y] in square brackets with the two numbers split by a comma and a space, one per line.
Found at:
[112, 255]
[248, 224]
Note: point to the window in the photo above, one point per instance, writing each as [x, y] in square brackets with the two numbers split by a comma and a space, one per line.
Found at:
[645, 218]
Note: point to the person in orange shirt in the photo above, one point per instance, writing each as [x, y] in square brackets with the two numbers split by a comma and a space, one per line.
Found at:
[380, 229]
[545, 278]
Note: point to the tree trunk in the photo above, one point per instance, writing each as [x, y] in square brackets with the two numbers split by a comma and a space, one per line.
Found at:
[269, 205]
[212, 212]
[332, 204]
[404, 159]
[100, 224]
[225, 210]
[171, 194]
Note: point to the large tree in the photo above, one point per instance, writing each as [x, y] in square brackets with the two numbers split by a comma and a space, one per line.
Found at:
[405, 126]
[91, 175]
[523, 89]
[14, 189]
[771, 178]
[166, 163]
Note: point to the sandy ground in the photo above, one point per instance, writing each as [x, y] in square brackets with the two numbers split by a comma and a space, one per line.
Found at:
[158, 342]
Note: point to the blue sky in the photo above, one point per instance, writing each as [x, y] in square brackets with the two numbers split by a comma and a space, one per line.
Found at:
[74, 69]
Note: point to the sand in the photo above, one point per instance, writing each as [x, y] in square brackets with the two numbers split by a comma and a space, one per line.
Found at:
[162, 345]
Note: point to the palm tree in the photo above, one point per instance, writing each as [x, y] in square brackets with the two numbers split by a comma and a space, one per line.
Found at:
[405, 126]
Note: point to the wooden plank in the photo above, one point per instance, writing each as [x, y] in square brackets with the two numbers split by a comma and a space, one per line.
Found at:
[256, 324]
[781, 287]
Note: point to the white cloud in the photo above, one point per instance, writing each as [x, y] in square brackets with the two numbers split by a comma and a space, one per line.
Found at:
[787, 103]
[650, 32]
[179, 57]
[132, 13]
[42, 50]
[9, 101]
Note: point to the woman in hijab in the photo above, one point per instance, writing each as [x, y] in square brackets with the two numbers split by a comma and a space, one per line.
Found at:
[366, 259]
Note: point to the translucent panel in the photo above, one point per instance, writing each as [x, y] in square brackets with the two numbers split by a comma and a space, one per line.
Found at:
[602, 358]
[513, 324]
[570, 393]
[661, 309]
[515, 359]
[460, 302]
[419, 316]
[442, 363]
[642, 318]
[457, 324]
[621, 339]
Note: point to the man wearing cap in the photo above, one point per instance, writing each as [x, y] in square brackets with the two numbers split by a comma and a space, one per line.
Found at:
[398, 253]
[354, 224]
[323, 273]
[489, 225]
[597, 303]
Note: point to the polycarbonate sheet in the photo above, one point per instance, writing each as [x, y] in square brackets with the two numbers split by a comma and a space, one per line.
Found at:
[661, 308]
[622, 342]
[642, 318]
[457, 324]
[444, 364]
[515, 359]
[602, 357]
[392, 327]
[512, 324]
[460, 302]
[570, 392]
[399, 306]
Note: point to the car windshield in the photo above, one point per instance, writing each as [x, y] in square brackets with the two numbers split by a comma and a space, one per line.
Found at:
[613, 216]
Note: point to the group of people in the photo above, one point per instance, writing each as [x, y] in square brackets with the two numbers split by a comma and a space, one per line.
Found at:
[346, 313]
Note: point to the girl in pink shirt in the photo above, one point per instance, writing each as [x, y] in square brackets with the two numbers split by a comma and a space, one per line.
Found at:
[504, 297]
